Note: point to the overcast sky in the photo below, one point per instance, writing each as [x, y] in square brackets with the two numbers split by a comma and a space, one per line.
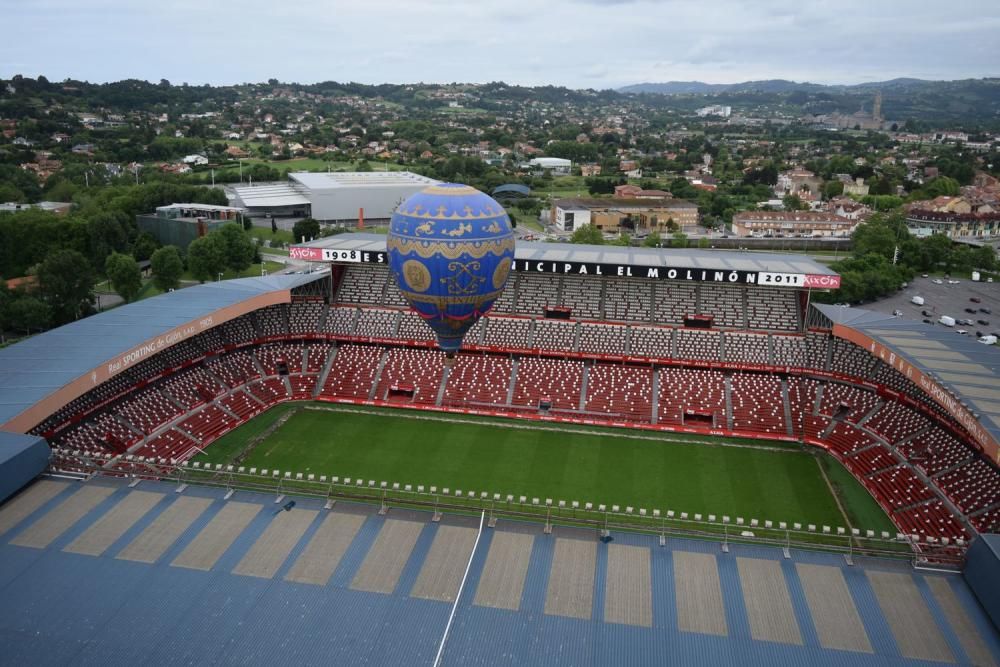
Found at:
[576, 43]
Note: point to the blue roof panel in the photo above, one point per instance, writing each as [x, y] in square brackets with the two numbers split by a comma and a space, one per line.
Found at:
[32, 369]
[61, 608]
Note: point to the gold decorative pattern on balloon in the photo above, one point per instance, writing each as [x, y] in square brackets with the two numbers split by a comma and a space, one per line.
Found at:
[426, 228]
[451, 192]
[416, 276]
[459, 231]
[440, 213]
[476, 300]
[500, 273]
[463, 280]
[426, 249]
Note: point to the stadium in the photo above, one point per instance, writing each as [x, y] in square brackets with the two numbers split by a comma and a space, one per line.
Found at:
[639, 457]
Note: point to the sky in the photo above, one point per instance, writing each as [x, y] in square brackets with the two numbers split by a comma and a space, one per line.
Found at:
[574, 43]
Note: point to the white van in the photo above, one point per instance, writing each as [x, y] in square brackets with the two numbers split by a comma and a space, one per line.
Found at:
[917, 300]
[947, 321]
[988, 340]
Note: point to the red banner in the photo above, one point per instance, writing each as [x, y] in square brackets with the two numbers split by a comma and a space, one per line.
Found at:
[815, 281]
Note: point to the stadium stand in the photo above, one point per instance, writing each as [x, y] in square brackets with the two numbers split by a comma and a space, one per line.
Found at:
[914, 459]
[691, 393]
[414, 373]
[479, 380]
[553, 380]
[353, 371]
[582, 297]
[621, 392]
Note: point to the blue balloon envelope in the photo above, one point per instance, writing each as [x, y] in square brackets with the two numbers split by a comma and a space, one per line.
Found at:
[451, 248]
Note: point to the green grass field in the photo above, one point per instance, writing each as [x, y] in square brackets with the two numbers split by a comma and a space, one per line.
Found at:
[650, 470]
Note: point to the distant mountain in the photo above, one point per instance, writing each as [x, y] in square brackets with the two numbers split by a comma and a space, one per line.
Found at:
[700, 88]
[785, 86]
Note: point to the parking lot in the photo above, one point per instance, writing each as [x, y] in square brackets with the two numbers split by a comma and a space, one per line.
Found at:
[946, 299]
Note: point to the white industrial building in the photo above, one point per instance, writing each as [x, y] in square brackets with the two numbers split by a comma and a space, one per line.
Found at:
[334, 196]
[557, 165]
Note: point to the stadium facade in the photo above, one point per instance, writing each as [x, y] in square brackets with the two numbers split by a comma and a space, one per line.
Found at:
[333, 196]
[134, 392]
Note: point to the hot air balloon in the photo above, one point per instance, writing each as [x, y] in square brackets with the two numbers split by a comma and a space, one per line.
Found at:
[451, 248]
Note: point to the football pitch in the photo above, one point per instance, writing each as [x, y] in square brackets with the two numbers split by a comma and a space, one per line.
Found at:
[766, 481]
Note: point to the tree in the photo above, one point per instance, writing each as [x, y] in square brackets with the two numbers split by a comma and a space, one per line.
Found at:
[144, 246]
[65, 281]
[588, 234]
[167, 268]
[123, 272]
[206, 257]
[306, 228]
[792, 202]
[985, 257]
[107, 234]
[880, 235]
[654, 240]
[239, 249]
[679, 240]
[833, 189]
[28, 314]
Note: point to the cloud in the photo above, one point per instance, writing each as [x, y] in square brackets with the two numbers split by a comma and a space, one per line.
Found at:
[578, 43]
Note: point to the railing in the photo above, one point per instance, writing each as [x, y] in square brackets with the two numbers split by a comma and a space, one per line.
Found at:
[920, 551]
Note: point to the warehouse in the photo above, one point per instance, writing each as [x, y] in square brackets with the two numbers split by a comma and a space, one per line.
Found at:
[334, 196]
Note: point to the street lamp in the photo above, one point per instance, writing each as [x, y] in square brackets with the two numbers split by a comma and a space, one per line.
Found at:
[241, 170]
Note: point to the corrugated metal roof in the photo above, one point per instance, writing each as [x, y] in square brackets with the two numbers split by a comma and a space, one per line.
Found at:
[971, 370]
[338, 180]
[695, 258]
[34, 368]
[61, 608]
[282, 194]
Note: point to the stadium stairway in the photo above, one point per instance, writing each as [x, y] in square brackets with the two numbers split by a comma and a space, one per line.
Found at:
[378, 374]
[330, 357]
[727, 389]
[655, 402]
[868, 415]
[786, 407]
[587, 365]
[445, 373]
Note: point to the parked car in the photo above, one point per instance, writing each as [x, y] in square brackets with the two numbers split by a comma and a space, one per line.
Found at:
[938, 281]
[985, 323]
[971, 310]
[986, 310]
[926, 313]
[974, 299]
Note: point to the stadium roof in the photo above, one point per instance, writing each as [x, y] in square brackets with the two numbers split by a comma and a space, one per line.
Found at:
[955, 362]
[279, 194]
[512, 189]
[693, 258]
[100, 573]
[79, 353]
[358, 179]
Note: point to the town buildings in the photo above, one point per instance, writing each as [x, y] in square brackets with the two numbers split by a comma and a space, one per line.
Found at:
[630, 215]
[791, 223]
